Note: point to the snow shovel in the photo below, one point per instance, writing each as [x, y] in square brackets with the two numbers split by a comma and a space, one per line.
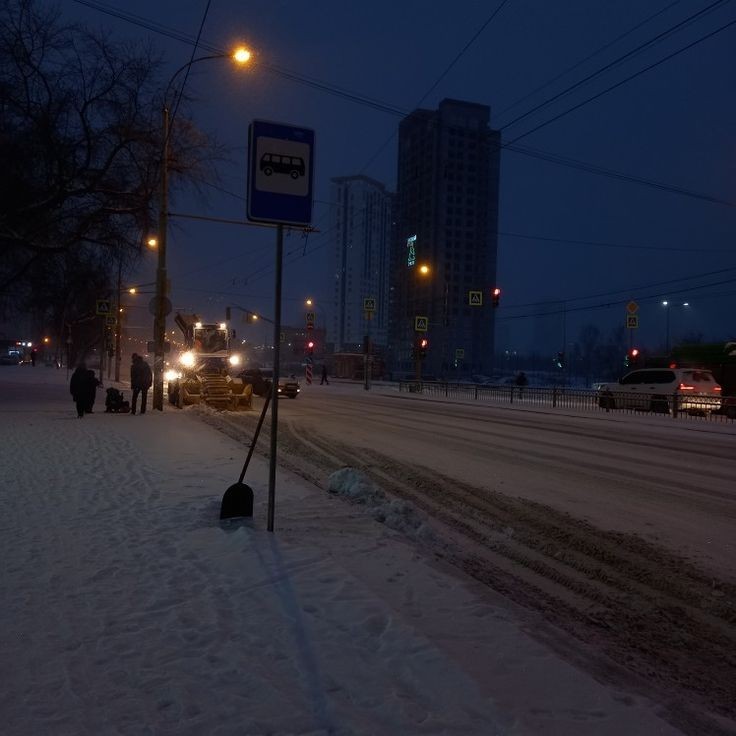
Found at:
[238, 499]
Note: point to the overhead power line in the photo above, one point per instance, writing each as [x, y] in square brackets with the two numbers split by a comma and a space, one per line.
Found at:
[595, 53]
[401, 112]
[620, 83]
[660, 36]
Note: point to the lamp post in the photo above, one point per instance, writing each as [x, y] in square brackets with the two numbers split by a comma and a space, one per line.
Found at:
[666, 304]
[162, 303]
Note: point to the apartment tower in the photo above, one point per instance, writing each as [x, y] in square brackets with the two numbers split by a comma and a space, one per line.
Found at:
[362, 235]
[444, 258]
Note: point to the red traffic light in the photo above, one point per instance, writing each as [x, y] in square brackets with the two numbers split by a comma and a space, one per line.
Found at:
[423, 342]
[496, 296]
[310, 344]
[634, 352]
[497, 292]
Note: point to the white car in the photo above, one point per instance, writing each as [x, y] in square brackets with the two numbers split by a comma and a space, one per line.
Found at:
[656, 389]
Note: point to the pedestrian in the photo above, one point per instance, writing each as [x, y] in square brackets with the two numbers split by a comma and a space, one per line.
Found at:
[521, 381]
[80, 389]
[33, 358]
[324, 375]
[140, 381]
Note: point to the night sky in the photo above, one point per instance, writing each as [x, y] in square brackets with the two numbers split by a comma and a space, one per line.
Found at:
[674, 125]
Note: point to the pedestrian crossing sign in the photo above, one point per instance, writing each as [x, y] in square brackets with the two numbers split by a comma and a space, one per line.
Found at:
[103, 306]
[632, 321]
[369, 304]
[110, 320]
[421, 324]
[475, 298]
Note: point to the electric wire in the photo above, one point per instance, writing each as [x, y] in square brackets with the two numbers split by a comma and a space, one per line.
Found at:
[619, 60]
[550, 157]
[621, 82]
[590, 56]
[400, 112]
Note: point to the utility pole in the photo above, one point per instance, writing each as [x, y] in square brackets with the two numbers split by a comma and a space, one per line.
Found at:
[118, 323]
[159, 332]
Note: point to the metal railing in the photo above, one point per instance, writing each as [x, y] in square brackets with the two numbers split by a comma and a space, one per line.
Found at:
[676, 405]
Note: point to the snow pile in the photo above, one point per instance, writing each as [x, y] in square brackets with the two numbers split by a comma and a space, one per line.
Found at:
[398, 515]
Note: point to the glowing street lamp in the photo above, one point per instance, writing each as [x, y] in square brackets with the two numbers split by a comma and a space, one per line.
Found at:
[241, 56]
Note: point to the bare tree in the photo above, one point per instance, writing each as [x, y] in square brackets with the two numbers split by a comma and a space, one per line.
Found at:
[80, 145]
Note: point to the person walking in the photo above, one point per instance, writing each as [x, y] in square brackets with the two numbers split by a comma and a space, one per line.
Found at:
[521, 381]
[140, 381]
[80, 388]
[324, 375]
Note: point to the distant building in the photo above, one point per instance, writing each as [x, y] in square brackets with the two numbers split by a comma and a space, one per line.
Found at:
[446, 219]
[361, 243]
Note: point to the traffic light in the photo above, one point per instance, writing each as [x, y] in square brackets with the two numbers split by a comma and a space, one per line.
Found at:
[496, 297]
[423, 345]
[227, 313]
[632, 357]
[310, 347]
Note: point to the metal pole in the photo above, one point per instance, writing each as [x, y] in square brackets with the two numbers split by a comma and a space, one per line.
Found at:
[117, 324]
[102, 347]
[367, 362]
[159, 326]
[667, 332]
[275, 386]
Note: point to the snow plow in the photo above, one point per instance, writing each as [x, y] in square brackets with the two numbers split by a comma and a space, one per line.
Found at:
[202, 375]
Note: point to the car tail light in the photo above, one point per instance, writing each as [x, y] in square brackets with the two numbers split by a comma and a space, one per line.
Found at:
[686, 387]
[717, 388]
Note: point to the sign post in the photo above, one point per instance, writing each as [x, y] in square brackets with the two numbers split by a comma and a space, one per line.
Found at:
[632, 320]
[369, 307]
[280, 175]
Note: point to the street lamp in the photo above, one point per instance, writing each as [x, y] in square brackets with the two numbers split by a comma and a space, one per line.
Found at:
[666, 304]
[163, 306]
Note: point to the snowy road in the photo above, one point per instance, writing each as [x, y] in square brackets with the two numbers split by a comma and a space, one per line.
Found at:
[619, 528]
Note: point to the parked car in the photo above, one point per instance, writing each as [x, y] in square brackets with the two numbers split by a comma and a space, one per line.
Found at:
[9, 359]
[655, 389]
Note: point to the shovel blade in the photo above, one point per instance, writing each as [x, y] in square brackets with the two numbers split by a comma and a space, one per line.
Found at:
[237, 501]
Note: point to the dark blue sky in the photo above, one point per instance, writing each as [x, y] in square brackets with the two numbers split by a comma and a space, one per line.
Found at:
[674, 125]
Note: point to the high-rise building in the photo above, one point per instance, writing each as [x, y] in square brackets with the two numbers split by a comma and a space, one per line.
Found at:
[444, 259]
[362, 228]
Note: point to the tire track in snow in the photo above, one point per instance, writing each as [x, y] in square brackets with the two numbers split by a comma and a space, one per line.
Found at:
[659, 617]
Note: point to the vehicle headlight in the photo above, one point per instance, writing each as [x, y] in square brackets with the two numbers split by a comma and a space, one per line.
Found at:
[187, 359]
[172, 375]
[234, 360]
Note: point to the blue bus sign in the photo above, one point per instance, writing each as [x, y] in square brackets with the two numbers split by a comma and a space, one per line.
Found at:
[280, 173]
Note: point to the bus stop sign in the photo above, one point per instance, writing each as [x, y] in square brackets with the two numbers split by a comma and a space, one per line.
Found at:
[280, 173]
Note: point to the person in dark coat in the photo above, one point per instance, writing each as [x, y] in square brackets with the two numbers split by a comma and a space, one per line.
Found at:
[140, 381]
[82, 389]
[324, 375]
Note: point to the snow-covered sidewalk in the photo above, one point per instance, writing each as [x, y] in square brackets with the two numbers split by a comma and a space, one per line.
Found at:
[129, 609]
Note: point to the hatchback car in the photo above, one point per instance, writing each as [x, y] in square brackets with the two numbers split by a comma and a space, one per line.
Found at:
[656, 389]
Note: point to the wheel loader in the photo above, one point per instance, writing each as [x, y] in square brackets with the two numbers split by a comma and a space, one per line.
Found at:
[202, 374]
